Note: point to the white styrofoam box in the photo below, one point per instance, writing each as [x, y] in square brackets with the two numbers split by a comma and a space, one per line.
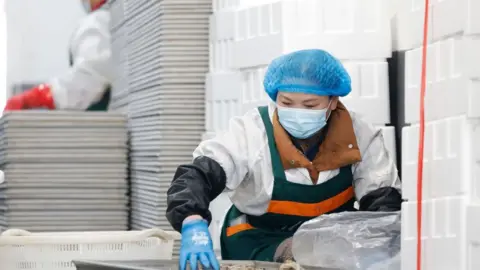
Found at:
[266, 31]
[450, 165]
[221, 40]
[409, 23]
[452, 79]
[370, 90]
[253, 92]
[223, 99]
[393, 7]
[222, 5]
[447, 18]
[208, 135]
[452, 17]
[393, 10]
[450, 238]
[230, 94]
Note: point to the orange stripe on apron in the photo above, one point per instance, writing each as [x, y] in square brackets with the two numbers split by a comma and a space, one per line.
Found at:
[238, 228]
[311, 209]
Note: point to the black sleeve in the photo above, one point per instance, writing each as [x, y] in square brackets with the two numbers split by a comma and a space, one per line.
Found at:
[385, 199]
[193, 187]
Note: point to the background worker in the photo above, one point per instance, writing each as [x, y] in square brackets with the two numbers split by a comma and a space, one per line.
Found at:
[86, 84]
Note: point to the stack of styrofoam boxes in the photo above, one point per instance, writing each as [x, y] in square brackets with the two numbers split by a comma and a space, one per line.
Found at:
[245, 36]
[451, 176]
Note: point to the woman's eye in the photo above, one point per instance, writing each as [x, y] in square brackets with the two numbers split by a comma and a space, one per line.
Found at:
[310, 106]
[286, 103]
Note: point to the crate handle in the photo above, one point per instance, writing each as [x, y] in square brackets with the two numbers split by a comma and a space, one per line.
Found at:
[161, 234]
[16, 232]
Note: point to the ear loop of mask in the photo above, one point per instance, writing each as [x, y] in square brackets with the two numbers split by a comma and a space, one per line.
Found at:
[329, 111]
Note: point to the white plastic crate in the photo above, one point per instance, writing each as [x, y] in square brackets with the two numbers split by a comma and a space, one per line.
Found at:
[451, 158]
[21, 250]
[450, 238]
[453, 86]
[266, 31]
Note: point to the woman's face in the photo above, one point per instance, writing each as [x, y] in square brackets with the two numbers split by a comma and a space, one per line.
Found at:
[305, 101]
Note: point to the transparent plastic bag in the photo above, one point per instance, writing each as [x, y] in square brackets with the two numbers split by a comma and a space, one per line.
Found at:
[350, 241]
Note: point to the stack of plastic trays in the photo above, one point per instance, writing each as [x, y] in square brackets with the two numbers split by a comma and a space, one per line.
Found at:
[168, 45]
[119, 95]
[64, 171]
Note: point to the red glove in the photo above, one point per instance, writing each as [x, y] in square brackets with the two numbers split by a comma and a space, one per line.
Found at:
[98, 5]
[37, 97]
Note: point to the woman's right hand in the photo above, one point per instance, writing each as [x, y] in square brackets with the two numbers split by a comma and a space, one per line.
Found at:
[197, 245]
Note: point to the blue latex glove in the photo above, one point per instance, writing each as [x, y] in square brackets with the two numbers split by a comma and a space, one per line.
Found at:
[197, 245]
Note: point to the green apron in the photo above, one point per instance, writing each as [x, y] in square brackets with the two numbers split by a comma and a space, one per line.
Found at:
[291, 205]
[102, 104]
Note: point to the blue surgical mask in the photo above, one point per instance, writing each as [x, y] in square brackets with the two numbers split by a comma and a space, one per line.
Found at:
[302, 123]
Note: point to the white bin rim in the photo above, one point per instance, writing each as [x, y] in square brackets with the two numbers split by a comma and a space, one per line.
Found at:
[22, 237]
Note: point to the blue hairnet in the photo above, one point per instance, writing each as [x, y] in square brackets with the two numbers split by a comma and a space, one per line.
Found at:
[307, 71]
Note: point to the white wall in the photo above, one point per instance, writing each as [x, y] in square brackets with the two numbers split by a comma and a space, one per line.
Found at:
[38, 37]
[3, 55]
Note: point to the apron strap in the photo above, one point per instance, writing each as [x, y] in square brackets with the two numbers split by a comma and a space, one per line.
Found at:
[277, 166]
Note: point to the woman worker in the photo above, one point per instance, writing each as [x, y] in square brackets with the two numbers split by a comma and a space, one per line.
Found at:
[302, 156]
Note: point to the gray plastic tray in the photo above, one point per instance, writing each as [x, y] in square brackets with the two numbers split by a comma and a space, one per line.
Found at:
[171, 265]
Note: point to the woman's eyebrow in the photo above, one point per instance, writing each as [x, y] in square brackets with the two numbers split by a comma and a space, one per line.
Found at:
[310, 100]
[284, 97]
